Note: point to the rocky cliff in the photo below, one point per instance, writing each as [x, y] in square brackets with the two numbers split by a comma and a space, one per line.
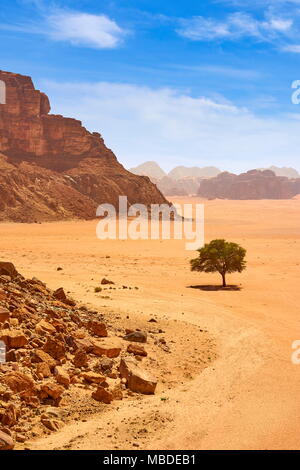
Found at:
[52, 167]
[254, 184]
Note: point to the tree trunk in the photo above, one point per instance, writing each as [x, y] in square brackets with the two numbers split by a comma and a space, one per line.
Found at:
[224, 280]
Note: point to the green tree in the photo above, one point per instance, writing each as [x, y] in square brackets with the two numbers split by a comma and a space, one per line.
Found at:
[220, 256]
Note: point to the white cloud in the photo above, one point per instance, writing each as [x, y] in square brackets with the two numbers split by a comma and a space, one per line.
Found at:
[84, 29]
[234, 27]
[292, 48]
[76, 28]
[173, 128]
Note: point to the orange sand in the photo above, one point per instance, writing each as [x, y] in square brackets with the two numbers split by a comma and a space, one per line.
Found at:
[248, 398]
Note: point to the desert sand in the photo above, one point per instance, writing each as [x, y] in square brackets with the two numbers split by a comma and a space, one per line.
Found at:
[245, 394]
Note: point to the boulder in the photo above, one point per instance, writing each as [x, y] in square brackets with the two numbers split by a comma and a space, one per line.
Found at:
[43, 370]
[110, 347]
[8, 269]
[6, 441]
[93, 377]
[38, 355]
[19, 382]
[13, 339]
[44, 328]
[137, 379]
[97, 328]
[136, 336]
[105, 281]
[55, 348]
[80, 358]
[52, 390]
[62, 376]
[136, 349]
[4, 314]
[103, 395]
[60, 295]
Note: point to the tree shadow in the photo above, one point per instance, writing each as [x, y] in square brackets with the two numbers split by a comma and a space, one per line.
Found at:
[206, 287]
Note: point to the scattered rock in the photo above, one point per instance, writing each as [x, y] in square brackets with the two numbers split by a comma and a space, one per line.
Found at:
[38, 355]
[136, 349]
[6, 441]
[136, 336]
[80, 359]
[4, 314]
[19, 382]
[97, 328]
[8, 269]
[13, 339]
[105, 281]
[110, 348]
[103, 395]
[62, 376]
[60, 295]
[137, 379]
[54, 348]
[93, 377]
[52, 390]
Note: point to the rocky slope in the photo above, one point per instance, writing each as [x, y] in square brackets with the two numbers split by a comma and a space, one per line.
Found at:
[60, 359]
[254, 184]
[52, 167]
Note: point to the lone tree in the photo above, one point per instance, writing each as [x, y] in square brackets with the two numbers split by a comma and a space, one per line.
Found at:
[220, 256]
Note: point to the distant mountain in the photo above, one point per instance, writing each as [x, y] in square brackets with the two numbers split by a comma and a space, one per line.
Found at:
[181, 181]
[284, 171]
[151, 169]
[183, 171]
[182, 187]
[255, 184]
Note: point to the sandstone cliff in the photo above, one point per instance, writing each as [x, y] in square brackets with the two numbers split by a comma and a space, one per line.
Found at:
[52, 167]
[254, 184]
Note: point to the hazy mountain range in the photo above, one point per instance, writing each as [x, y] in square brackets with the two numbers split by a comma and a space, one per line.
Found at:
[183, 181]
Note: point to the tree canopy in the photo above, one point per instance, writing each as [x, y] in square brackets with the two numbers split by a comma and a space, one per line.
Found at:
[220, 256]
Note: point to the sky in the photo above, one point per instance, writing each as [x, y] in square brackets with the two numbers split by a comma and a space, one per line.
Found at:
[192, 82]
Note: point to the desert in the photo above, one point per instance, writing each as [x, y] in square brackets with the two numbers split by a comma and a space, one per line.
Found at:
[228, 381]
[150, 238]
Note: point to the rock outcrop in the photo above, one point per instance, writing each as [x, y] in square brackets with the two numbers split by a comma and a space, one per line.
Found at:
[51, 167]
[283, 171]
[254, 184]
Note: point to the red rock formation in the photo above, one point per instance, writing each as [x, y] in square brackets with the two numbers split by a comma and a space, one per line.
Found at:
[52, 167]
[254, 184]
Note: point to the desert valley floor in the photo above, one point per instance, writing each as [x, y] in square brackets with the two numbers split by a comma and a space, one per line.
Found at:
[232, 383]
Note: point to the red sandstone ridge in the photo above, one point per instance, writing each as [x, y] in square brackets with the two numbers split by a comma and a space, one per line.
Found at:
[254, 184]
[52, 167]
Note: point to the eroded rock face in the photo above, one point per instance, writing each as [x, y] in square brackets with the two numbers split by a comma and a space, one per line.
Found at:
[254, 184]
[51, 167]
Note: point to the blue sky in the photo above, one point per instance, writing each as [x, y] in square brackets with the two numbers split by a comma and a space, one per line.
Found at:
[180, 82]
